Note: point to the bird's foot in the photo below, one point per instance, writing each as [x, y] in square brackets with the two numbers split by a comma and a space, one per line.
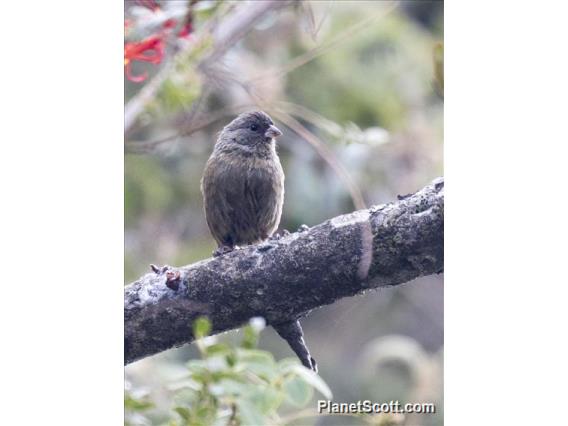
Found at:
[277, 236]
[221, 250]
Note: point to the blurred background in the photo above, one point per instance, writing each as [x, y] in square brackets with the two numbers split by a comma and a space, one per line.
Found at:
[356, 88]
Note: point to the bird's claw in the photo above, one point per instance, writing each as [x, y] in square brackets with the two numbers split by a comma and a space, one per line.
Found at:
[279, 235]
[219, 251]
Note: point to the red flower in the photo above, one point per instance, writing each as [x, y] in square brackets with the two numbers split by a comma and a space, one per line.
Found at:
[187, 27]
[186, 30]
[149, 50]
[152, 49]
[169, 23]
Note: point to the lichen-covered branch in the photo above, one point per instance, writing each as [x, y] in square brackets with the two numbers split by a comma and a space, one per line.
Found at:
[282, 280]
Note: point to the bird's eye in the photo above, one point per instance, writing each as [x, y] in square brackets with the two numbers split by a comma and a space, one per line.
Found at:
[254, 127]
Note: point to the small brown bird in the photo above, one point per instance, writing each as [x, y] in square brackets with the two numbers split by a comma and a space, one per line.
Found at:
[243, 183]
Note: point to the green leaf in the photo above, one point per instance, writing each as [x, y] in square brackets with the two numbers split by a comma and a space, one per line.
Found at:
[183, 412]
[217, 348]
[197, 369]
[231, 359]
[201, 377]
[311, 378]
[202, 415]
[180, 90]
[185, 396]
[249, 414]
[250, 337]
[201, 327]
[298, 392]
[217, 376]
[266, 399]
[234, 387]
[133, 404]
[256, 356]
[263, 372]
[285, 364]
[216, 364]
[261, 363]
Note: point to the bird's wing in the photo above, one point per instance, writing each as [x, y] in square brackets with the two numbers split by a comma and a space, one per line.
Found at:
[264, 193]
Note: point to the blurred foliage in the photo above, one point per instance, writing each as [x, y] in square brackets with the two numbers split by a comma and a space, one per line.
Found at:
[374, 100]
[135, 408]
[234, 385]
[387, 57]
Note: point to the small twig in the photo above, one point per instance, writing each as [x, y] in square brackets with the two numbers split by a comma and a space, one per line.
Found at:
[195, 108]
[196, 124]
[310, 116]
[233, 418]
[314, 27]
[192, 125]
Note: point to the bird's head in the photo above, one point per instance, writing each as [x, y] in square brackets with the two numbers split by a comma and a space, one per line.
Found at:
[250, 131]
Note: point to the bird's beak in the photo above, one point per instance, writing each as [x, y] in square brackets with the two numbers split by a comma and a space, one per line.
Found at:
[273, 132]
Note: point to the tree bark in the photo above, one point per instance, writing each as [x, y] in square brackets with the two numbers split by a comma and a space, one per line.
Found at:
[282, 280]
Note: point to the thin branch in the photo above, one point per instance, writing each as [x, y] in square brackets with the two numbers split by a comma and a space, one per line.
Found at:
[310, 116]
[326, 153]
[192, 126]
[313, 53]
[321, 148]
[283, 280]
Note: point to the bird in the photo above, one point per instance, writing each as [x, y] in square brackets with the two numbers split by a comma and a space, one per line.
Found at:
[243, 183]
[243, 194]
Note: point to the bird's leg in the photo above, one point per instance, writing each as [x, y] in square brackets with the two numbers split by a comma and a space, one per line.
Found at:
[277, 236]
[292, 332]
[223, 249]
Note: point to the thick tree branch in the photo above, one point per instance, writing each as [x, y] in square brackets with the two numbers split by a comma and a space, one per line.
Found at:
[282, 280]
